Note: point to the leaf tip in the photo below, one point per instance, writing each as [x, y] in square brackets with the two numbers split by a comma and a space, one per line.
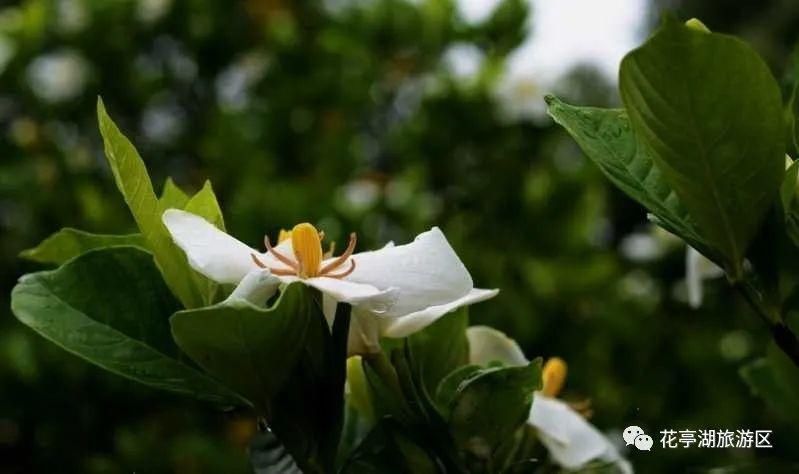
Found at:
[100, 106]
[697, 25]
[28, 254]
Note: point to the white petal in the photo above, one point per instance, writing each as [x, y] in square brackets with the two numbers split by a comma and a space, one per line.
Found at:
[569, 438]
[350, 292]
[487, 345]
[256, 287]
[408, 324]
[210, 251]
[425, 272]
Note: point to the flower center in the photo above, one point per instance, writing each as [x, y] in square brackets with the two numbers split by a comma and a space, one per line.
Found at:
[553, 376]
[306, 243]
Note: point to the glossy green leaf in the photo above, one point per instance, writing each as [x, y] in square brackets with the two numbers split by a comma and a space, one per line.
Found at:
[282, 358]
[110, 307]
[69, 243]
[607, 139]
[708, 107]
[252, 349]
[490, 406]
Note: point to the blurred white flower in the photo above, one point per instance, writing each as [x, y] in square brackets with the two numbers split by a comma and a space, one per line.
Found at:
[698, 269]
[162, 122]
[566, 34]
[58, 76]
[520, 96]
[72, 15]
[234, 83]
[150, 11]
[358, 196]
[463, 60]
[641, 247]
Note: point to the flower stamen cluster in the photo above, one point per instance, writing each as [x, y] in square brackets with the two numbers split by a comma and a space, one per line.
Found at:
[306, 244]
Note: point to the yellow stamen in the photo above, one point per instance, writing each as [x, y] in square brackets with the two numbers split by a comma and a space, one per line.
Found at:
[283, 235]
[553, 376]
[307, 249]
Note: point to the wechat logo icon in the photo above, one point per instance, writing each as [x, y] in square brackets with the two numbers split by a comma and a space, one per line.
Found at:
[635, 436]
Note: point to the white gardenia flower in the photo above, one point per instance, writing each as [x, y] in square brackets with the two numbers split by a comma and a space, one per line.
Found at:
[569, 438]
[698, 268]
[395, 291]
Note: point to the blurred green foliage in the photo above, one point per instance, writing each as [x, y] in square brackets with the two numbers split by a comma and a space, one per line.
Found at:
[348, 116]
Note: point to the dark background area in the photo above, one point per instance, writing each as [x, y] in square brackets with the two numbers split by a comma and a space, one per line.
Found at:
[345, 115]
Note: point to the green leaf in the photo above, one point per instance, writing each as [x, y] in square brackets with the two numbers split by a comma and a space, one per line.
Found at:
[110, 307]
[134, 183]
[204, 204]
[711, 112]
[440, 348]
[69, 243]
[284, 359]
[308, 413]
[172, 196]
[490, 406]
[605, 136]
[252, 349]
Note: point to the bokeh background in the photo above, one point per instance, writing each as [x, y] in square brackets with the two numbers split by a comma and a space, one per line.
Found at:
[383, 117]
